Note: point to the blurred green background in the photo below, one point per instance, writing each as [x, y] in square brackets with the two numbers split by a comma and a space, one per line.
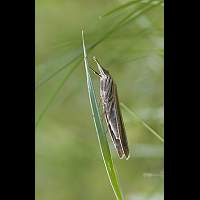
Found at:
[127, 42]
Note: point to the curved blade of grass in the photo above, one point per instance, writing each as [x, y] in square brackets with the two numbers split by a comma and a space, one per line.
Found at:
[121, 23]
[105, 151]
[125, 5]
[60, 68]
[128, 18]
[141, 121]
[120, 8]
[55, 93]
[132, 15]
[150, 5]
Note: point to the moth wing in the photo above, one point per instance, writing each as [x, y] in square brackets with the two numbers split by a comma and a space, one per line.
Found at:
[115, 140]
[120, 125]
[112, 118]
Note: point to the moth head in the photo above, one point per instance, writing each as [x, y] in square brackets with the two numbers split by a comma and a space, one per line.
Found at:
[102, 72]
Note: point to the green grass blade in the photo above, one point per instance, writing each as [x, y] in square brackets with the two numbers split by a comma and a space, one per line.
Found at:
[120, 8]
[133, 15]
[143, 10]
[142, 122]
[105, 151]
[55, 93]
[124, 21]
[60, 68]
[130, 3]
[120, 24]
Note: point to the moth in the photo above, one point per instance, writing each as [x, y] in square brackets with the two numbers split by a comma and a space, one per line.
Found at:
[111, 111]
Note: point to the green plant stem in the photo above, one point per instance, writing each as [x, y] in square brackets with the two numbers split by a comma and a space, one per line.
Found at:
[141, 121]
[103, 143]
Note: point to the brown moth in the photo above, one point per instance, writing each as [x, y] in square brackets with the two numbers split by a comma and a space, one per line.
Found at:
[112, 113]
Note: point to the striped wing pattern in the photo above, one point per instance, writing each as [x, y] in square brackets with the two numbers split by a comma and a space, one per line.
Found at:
[108, 91]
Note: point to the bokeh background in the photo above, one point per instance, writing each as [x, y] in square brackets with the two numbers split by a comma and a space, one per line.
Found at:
[129, 43]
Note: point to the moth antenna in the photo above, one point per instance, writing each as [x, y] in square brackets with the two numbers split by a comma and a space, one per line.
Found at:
[95, 72]
[94, 58]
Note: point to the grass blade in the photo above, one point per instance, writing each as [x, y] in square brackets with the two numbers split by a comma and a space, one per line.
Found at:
[127, 19]
[142, 122]
[55, 93]
[60, 68]
[145, 9]
[120, 24]
[125, 5]
[105, 151]
[119, 8]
